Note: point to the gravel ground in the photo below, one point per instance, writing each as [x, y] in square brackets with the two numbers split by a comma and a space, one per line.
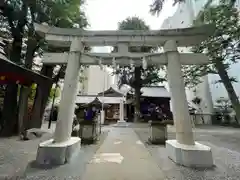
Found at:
[17, 160]
[225, 144]
[16, 157]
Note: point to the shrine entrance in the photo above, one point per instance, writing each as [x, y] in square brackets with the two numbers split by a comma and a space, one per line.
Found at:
[184, 150]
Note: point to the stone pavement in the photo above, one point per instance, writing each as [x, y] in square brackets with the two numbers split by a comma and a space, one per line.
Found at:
[122, 156]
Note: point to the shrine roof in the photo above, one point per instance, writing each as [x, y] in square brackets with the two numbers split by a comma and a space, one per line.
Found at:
[155, 91]
[7, 66]
[111, 92]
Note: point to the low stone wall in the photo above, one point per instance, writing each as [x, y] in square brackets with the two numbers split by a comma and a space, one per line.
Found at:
[201, 118]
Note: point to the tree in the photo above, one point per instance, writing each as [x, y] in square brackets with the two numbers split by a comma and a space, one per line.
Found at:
[21, 16]
[63, 14]
[157, 5]
[222, 48]
[137, 77]
[15, 13]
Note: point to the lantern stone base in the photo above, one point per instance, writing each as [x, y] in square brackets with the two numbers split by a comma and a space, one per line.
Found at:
[50, 153]
[157, 133]
[196, 156]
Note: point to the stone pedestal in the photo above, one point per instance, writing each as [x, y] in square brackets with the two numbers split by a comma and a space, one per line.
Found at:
[157, 132]
[63, 147]
[197, 155]
[89, 132]
[50, 153]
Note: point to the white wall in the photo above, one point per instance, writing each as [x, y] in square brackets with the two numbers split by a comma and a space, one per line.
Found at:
[97, 80]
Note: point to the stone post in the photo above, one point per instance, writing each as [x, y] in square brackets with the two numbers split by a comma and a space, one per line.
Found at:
[182, 121]
[121, 122]
[66, 110]
[125, 110]
[207, 103]
[102, 116]
[121, 111]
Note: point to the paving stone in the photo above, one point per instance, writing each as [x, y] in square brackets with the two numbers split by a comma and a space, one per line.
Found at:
[121, 157]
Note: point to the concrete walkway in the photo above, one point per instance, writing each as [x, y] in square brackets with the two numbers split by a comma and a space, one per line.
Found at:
[123, 156]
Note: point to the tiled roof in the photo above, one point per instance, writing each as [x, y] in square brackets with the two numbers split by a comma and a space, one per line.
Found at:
[155, 91]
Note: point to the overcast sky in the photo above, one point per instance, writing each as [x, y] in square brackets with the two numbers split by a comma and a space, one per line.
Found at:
[105, 14]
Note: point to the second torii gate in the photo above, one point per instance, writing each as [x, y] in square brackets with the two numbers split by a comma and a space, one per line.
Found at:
[184, 150]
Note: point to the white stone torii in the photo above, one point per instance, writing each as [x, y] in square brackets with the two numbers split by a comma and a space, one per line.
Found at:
[184, 150]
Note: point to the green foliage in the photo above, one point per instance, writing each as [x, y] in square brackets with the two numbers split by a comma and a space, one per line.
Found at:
[222, 47]
[127, 74]
[224, 105]
[64, 14]
[52, 92]
[133, 23]
[157, 5]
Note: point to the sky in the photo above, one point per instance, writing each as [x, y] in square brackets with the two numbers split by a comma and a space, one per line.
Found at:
[105, 14]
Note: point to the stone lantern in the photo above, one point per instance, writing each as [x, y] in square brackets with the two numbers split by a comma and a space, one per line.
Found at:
[89, 129]
[158, 131]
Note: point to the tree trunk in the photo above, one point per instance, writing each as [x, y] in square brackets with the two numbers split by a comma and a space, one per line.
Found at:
[23, 118]
[25, 91]
[41, 99]
[230, 90]
[137, 75]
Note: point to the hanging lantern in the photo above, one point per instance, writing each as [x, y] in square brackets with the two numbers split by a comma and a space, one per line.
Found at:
[144, 63]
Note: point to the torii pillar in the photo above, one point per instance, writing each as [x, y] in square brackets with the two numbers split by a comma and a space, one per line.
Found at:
[63, 148]
[122, 48]
[184, 150]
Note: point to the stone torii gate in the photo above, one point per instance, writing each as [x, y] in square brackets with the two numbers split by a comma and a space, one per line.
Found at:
[184, 150]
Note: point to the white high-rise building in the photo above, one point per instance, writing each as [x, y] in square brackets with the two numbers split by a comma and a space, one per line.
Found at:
[208, 90]
[96, 80]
